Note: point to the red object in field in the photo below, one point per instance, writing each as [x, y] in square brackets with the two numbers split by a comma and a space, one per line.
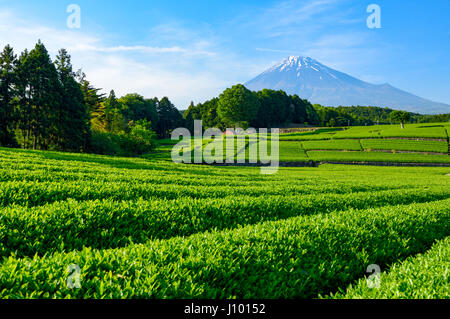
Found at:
[228, 132]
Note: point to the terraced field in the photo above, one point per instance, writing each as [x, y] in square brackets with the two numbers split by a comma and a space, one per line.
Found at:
[406, 145]
[377, 157]
[150, 228]
[347, 145]
[417, 143]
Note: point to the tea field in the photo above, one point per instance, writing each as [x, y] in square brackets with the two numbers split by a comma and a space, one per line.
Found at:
[150, 228]
[415, 144]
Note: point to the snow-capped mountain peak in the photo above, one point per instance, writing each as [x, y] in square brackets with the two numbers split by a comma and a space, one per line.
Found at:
[318, 83]
[295, 62]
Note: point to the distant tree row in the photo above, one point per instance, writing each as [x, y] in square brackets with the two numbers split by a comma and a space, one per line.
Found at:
[371, 115]
[435, 118]
[46, 105]
[239, 107]
[116, 115]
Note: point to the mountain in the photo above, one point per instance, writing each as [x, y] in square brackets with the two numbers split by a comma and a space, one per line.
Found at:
[320, 84]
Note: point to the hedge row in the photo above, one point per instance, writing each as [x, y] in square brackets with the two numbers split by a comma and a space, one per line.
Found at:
[39, 193]
[425, 276]
[106, 224]
[299, 257]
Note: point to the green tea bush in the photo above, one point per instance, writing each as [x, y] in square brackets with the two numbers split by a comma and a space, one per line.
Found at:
[107, 224]
[143, 228]
[405, 145]
[299, 257]
[350, 145]
[424, 276]
[377, 157]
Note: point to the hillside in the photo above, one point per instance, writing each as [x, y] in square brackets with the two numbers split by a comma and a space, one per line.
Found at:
[320, 84]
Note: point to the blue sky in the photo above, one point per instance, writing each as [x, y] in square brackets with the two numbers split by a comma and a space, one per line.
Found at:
[192, 50]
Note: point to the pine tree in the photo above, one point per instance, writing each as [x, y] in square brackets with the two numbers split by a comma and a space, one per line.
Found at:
[7, 94]
[111, 101]
[169, 117]
[99, 121]
[73, 119]
[23, 91]
[115, 122]
[189, 116]
[45, 97]
[92, 97]
[94, 103]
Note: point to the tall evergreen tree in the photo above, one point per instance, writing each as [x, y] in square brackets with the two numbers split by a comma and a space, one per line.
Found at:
[94, 103]
[73, 119]
[299, 112]
[111, 101]
[115, 121]
[92, 97]
[45, 97]
[265, 117]
[190, 115]
[7, 92]
[169, 117]
[23, 91]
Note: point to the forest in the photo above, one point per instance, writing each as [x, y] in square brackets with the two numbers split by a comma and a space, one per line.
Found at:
[46, 105]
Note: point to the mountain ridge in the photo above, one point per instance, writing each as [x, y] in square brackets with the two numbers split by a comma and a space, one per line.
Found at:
[320, 84]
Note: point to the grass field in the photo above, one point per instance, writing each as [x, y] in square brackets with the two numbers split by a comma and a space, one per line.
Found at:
[140, 228]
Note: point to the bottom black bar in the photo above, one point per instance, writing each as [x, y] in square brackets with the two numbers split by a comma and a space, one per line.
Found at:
[220, 308]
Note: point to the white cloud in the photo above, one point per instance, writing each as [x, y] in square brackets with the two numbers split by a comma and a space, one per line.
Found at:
[149, 79]
[145, 69]
[196, 64]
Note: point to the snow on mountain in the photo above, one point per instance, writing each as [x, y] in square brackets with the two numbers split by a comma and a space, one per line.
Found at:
[318, 83]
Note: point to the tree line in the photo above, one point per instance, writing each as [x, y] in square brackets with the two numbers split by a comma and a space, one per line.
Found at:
[239, 107]
[45, 104]
[371, 115]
